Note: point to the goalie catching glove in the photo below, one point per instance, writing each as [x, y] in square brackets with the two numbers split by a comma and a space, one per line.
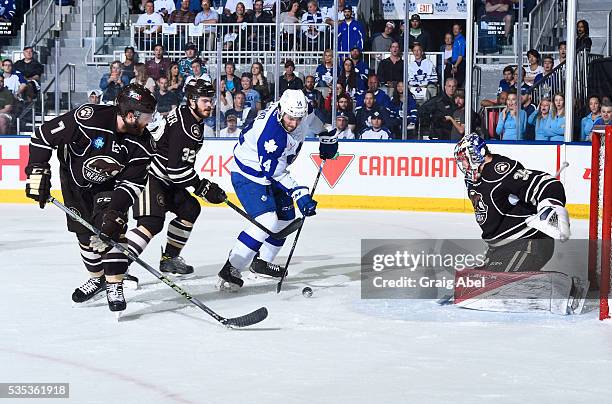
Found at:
[552, 219]
[113, 226]
[328, 145]
[210, 191]
[38, 184]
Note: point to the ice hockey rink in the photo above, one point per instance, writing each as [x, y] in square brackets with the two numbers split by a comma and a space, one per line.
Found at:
[331, 348]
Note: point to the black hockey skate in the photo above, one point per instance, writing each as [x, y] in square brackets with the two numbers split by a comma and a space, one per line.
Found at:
[89, 289]
[130, 282]
[266, 269]
[174, 265]
[230, 279]
[114, 295]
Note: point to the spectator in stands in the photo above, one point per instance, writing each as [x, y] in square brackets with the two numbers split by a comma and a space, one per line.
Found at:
[289, 81]
[252, 98]
[458, 117]
[231, 130]
[456, 68]
[158, 65]
[94, 96]
[524, 86]
[236, 35]
[138, 6]
[351, 33]
[562, 48]
[141, 77]
[507, 123]
[164, 8]
[245, 113]
[364, 112]
[422, 76]
[6, 107]
[175, 80]
[148, 25]
[342, 127]
[381, 97]
[15, 82]
[260, 83]
[226, 99]
[193, 6]
[314, 97]
[382, 42]
[534, 68]
[289, 19]
[606, 113]
[548, 64]
[198, 72]
[501, 10]
[397, 104]
[258, 37]
[361, 68]
[344, 104]
[447, 53]
[112, 82]
[313, 28]
[185, 62]
[31, 71]
[526, 102]
[329, 18]
[232, 82]
[391, 69]
[349, 80]
[432, 113]
[586, 125]
[501, 99]
[129, 63]
[418, 34]
[324, 74]
[376, 130]
[583, 42]
[555, 132]
[507, 82]
[166, 100]
[231, 6]
[182, 15]
[540, 120]
[340, 91]
[207, 16]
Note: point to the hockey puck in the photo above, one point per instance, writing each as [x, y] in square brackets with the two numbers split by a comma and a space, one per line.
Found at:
[307, 292]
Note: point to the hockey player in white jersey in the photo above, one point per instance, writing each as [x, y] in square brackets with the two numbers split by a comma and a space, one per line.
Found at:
[265, 188]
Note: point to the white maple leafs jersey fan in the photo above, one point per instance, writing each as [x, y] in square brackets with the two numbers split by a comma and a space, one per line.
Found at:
[506, 195]
[97, 157]
[265, 149]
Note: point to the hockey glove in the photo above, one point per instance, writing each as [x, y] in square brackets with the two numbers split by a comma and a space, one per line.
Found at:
[210, 191]
[552, 219]
[113, 225]
[304, 201]
[38, 184]
[328, 145]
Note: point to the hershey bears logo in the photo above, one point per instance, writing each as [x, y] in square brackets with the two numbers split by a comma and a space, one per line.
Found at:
[196, 132]
[85, 113]
[502, 167]
[480, 208]
[100, 168]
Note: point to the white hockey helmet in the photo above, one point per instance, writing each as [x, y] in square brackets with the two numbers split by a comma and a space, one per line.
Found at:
[293, 103]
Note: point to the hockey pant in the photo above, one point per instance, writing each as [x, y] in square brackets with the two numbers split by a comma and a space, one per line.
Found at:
[269, 205]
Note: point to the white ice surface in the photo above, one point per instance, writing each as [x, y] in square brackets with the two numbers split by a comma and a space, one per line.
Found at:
[331, 348]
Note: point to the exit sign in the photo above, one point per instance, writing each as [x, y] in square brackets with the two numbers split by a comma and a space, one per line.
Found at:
[425, 8]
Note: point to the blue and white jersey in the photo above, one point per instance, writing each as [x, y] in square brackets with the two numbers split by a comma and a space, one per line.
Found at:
[265, 149]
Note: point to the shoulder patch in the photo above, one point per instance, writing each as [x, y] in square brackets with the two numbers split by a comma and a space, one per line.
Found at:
[85, 113]
[196, 132]
[501, 167]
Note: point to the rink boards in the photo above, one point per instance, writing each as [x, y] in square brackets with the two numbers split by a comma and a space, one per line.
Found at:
[387, 175]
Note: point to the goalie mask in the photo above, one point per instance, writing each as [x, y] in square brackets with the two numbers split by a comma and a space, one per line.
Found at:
[470, 154]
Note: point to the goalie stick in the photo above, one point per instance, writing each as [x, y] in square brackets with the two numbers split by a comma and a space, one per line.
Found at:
[279, 285]
[293, 226]
[242, 321]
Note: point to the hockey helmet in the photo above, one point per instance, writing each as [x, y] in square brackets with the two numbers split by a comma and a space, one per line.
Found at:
[199, 88]
[470, 154]
[136, 98]
[293, 103]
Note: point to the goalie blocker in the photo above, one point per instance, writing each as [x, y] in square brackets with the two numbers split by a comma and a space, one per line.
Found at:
[521, 212]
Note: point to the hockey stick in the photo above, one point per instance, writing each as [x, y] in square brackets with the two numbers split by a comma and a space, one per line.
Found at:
[279, 285]
[564, 165]
[293, 226]
[242, 321]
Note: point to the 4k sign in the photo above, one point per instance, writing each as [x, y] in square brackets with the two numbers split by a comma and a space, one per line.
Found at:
[333, 169]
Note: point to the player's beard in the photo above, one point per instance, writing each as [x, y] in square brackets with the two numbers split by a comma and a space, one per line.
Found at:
[133, 128]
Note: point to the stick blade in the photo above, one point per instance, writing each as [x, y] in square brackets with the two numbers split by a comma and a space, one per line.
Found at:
[255, 317]
[292, 227]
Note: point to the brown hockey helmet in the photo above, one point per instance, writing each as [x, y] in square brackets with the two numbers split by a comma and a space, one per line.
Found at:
[136, 98]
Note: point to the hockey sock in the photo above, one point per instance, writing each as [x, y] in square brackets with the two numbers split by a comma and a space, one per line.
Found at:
[178, 234]
[92, 260]
[138, 239]
[250, 241]
[271, 246]
[115, 262]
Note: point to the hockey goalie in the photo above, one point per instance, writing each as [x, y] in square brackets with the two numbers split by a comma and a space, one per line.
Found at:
[521, 213]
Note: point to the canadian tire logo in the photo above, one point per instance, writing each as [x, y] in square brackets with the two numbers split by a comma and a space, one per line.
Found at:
[333, 170]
